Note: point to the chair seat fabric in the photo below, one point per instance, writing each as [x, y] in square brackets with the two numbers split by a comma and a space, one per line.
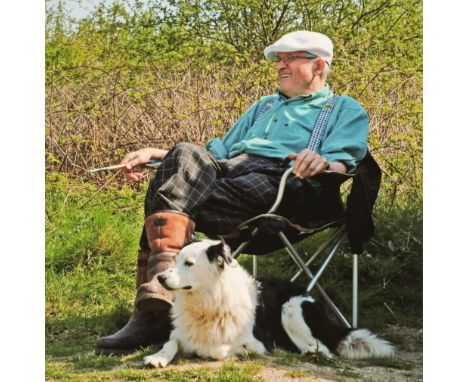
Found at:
[329, 212]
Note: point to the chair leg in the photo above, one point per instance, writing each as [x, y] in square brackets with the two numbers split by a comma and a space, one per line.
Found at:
[325, 263]
[333, 307]
[355, 291]
[298, 259]
[295, 256]
[320, 250]
[338, 236]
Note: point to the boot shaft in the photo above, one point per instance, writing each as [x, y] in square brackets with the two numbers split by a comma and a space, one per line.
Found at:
[168, 231]
[142, 266]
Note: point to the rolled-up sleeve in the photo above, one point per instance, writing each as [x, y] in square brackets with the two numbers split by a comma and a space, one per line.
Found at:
[216, 147]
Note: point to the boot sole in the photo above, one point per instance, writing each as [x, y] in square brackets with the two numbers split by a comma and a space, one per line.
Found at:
[116, 352]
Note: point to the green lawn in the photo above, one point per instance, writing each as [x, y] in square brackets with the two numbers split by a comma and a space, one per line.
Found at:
[91, 242]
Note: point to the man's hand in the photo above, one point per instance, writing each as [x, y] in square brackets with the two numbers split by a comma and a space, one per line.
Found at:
[308, 163]
[137, 158]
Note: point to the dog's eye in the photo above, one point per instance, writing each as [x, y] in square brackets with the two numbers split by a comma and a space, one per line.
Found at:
[188, 263]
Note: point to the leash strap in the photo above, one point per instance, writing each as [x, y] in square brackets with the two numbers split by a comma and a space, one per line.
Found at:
[321, 124]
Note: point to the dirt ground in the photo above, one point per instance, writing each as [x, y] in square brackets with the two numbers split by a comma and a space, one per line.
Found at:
[407, 365]
[404, 367]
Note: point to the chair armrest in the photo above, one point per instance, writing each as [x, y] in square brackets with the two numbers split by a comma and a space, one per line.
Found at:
[328, 177]
[332, 177]
[281, 188]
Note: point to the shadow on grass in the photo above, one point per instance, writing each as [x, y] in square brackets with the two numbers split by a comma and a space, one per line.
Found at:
[77, 335]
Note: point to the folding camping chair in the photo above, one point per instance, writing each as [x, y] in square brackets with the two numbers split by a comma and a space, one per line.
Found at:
[269, 231]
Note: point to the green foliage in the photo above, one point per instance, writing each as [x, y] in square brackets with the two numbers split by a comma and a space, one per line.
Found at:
[90, 255]
[161, 72]
[87, 238]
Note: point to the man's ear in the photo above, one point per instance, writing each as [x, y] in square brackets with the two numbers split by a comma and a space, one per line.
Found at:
[219, 253]
[319, 66]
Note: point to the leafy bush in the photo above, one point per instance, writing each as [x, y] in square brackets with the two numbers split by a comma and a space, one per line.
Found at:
[158, 73]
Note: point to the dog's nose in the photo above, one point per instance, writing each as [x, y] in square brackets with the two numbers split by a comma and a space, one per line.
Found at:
[161, 279]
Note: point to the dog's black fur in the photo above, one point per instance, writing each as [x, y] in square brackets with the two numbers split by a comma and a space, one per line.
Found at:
[268, 328]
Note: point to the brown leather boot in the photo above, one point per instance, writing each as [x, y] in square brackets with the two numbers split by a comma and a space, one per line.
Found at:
[150, 323]
[143, 328]
[167, 232]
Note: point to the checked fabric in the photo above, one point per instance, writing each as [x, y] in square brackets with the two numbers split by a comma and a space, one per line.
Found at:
[217, 195]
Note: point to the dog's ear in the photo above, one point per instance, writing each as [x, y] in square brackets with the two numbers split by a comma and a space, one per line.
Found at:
[220, 253]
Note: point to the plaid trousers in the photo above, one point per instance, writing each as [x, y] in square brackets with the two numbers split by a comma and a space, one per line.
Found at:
[219, 195]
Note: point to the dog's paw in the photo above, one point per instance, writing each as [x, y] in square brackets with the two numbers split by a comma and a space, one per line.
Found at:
[220, 352]
[255, 346]
[156, 360]
[322, 350]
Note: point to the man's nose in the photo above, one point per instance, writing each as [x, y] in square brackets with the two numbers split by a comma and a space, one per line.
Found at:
[280, 65]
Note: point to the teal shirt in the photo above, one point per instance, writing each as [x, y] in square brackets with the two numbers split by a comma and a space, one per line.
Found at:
[286, 127]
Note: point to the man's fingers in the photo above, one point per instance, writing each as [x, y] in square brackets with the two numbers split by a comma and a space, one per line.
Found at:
[132, 163]
[298, 161]
[316, 167]
[131, 175]
[307, 163]
[134, 176]
[303, 161]
[311, 165]
[127, 158]
[133, 160]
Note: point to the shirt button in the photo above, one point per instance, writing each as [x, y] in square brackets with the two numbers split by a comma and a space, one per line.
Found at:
[275, 120]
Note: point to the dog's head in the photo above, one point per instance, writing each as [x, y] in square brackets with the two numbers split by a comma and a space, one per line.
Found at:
[196, 266]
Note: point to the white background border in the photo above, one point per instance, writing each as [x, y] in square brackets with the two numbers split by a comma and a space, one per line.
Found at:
[22, 185]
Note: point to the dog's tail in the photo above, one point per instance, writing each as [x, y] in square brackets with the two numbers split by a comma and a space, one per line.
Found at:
[361, 343]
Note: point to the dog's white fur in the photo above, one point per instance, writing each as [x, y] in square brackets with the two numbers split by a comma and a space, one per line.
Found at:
[214, 310]
[298, 331]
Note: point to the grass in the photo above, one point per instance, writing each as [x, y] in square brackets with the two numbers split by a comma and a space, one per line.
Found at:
[91, 243]
[297, 374]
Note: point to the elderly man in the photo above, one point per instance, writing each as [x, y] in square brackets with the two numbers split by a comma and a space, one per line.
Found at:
[236, 177]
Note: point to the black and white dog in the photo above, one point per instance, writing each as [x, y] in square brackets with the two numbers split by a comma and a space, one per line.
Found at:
[220, 310]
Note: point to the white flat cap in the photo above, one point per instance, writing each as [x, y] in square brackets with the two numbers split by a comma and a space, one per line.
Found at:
[312, 42]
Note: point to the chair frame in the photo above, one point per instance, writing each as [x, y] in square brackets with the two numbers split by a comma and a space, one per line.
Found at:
[333, 242]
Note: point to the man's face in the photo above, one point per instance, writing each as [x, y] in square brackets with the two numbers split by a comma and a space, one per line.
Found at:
[295, 73]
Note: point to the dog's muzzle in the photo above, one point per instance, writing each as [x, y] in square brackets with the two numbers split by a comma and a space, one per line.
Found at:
[162, 281]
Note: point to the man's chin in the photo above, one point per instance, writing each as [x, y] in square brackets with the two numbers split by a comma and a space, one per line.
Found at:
[287, 92]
